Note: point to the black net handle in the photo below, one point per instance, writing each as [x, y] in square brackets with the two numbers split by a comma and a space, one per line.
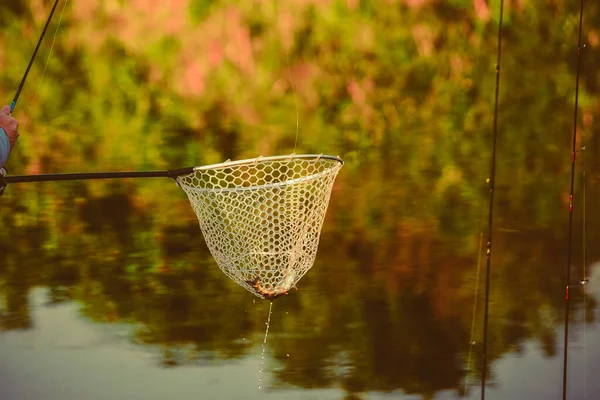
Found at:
[172, 173]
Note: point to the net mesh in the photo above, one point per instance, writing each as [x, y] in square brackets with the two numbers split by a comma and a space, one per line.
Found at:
[262, 218]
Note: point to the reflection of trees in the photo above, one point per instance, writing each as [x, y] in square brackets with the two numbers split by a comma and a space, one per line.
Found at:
[193, 308]
[14, 313]
[386, 307]
[20, 240]
[378, 345]
[366, 336]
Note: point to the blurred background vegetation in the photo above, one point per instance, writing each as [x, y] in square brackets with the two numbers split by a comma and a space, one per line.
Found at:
[402, 90]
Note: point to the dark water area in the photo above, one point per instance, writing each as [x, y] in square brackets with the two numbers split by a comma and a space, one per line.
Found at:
[108, 289]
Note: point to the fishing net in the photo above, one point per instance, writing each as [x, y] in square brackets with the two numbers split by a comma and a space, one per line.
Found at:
[262, 218]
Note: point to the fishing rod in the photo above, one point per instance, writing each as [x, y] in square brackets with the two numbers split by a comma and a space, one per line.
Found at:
[573, 157]
[584, 279]
[37, 47]
[13, 104]
[492, 180]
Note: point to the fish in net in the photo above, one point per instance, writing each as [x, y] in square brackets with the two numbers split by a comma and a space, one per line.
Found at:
[262, 218]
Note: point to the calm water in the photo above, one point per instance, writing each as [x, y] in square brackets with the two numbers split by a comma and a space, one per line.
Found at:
[67, 357]
[113, 304]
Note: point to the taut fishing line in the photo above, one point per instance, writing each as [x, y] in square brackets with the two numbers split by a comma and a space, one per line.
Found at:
[37, 47]
[39, 85]
[472, 341]
[264, 345]
[287, 56]
[569, 246]
[24, 78]
[474, 314]
[492, 180]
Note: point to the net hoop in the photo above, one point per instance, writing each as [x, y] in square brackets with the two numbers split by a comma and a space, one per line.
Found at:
[261, 218]
[270, 158]
[248, 162]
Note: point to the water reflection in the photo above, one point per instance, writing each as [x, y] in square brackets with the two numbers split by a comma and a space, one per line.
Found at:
[68, 357]
[376, 314]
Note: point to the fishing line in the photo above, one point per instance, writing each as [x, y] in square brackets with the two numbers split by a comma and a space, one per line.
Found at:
[287, 56]
[24, 78]
[289, 71]
[475, 298]
[39, 85]
[264, 345]
[37, 47]
[472, 342]
[492, 180]
[569, 247]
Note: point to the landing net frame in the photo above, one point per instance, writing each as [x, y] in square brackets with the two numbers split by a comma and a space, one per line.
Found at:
[261, 218]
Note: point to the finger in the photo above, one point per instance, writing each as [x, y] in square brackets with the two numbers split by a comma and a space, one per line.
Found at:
[6, 110]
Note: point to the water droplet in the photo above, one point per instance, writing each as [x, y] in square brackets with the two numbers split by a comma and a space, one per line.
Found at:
[244, 338]
[259, 386]
[264, 345]
[287, 355]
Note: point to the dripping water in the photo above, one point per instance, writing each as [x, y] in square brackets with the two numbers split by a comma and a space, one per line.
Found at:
[264, 346]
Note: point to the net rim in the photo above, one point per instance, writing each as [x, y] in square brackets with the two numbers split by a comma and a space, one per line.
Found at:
[288, 182]
[229, 163]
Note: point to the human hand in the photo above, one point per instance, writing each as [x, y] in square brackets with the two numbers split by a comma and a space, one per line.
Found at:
[10, 125]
